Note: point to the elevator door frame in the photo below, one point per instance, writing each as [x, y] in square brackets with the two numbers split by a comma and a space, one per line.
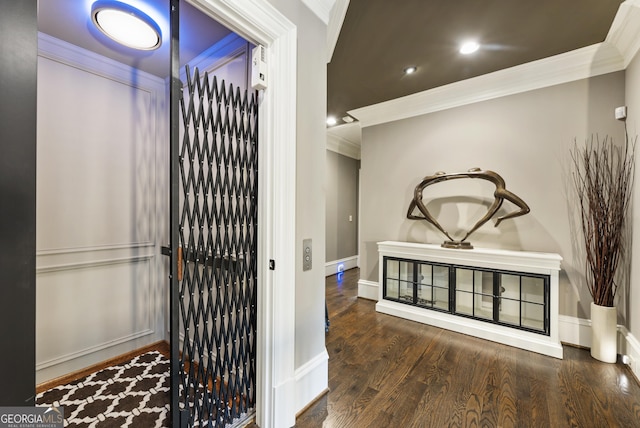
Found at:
[260, 23]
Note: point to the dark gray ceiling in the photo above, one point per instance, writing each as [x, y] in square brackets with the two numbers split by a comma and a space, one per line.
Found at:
[379, 38]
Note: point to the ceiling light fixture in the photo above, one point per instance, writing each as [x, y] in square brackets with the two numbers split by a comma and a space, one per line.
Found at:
[331, 121]
[410, 70]
[126, 25]
[469, 47]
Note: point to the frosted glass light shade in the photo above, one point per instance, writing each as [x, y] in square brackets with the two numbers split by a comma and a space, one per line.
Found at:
[126, 25]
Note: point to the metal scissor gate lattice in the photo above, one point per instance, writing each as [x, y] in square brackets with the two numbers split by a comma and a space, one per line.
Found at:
[217, 253]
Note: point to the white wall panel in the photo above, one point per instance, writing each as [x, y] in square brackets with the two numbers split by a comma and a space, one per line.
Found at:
[95, 159]
[90, 304]
[100, 187]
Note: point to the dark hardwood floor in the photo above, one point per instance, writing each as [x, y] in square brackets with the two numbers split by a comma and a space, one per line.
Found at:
[389, 372]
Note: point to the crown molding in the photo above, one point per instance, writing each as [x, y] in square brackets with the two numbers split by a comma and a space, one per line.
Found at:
[336, 19]
[343, 147]
[614, 54]
[338, 142]
[321, 8]
[66, 53]
[579, 64]
[624, 33]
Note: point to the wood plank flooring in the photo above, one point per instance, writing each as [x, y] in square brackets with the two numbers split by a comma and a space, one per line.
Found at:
[389, 372]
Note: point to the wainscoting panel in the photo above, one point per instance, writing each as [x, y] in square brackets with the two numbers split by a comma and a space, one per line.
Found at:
[84, 308]
[96, 159]
[101, 199]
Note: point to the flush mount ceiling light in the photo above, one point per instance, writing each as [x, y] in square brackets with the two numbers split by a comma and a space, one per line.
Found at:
[469, 47]
[331, 121]
[126, 25]
[410, 70]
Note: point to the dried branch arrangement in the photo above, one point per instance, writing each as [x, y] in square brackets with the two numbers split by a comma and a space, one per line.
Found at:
[603, 178]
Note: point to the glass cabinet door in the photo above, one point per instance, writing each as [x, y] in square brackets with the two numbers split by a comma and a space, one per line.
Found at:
[406, 281]
[509, 310]
[508, 298]
[425, 285]
[392, 279]
[533, 303]
[433, 286]
[474, 293]
[522, 301]
[399, 280]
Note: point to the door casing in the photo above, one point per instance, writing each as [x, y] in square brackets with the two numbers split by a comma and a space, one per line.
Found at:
[259, 22]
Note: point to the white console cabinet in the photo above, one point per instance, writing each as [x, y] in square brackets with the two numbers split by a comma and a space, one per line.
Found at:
[509, 297]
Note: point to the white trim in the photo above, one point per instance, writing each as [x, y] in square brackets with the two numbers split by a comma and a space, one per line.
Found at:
[574, 331]
[308, 377]
[321, 8]
[624, 33]
[224, 51]
[577, 331]
[336, 19]
[333, 267]
[492, 258]
[630, 348]
[92, 263]
[93, 249]
[259, 22]
[579, 64]
[495, 333]
[368, 289]
[343, 146]
[280, 351]
[92, 349]
[66, 53]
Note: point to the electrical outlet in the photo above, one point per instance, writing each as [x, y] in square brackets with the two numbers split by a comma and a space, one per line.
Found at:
[307, 255]
[631, 362]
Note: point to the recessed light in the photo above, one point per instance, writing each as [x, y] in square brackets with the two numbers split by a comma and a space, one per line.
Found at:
[331, 121]
[126, 25]
[410, 70]
[469, 47]
[347, 119]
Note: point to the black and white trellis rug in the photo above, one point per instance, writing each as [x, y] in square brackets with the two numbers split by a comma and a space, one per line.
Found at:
[132, 394]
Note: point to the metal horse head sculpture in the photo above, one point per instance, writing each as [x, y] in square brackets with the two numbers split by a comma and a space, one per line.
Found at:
[500, 194]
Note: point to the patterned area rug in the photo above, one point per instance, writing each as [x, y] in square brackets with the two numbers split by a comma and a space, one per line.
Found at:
[132, 394]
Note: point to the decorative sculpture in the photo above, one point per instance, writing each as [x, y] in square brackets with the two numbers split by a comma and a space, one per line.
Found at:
[500, 194]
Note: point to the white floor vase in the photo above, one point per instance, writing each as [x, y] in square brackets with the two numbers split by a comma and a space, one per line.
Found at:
[604, 333]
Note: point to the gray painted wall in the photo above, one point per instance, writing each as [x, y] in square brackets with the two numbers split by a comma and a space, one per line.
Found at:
[525, 137]
[342, 202]
[632, 80]
[310, 176]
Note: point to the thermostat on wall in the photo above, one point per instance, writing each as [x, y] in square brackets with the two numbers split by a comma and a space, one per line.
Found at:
[621, 113]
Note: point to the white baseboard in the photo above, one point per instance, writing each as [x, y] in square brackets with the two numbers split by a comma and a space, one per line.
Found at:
[546, 345]
[577, 331]
[337, 266]
[368, 289]
[629, 346]
[574, 331]
[311, 380]
[76, 361]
